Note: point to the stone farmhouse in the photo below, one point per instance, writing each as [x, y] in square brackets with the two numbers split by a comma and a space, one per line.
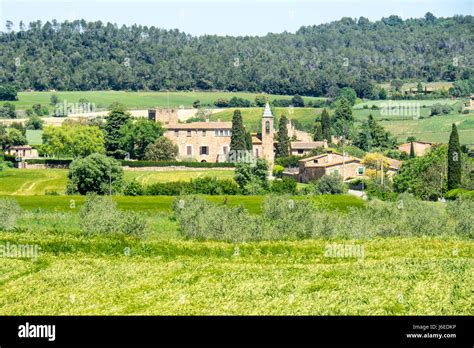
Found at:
[209, 141]
[349, 167]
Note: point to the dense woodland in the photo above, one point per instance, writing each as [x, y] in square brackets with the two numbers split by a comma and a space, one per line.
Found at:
[83, 55]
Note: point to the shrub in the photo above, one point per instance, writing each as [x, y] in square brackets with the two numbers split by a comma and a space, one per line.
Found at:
[100, 215]
[330, 184]
[162, 149]
[133, 188]
[460, 211]
[9, 213]
[96, 173]
[278, 171]
[285, 185]
[174, 188]
[199, 219]
[204, 185]
[288, 162]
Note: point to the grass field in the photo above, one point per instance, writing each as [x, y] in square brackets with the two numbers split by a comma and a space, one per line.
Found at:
[252, 116]
[433, 129]
[78, 275]
[135, 100]
[38, 181]
[164, 203]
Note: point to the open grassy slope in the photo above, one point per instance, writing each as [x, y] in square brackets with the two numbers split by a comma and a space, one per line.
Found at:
[252, 116]
[38, 181]
[136, 100]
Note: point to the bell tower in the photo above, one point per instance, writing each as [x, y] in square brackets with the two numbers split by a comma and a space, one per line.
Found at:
[268, 151]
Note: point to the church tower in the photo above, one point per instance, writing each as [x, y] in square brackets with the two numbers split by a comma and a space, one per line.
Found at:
[268, 151]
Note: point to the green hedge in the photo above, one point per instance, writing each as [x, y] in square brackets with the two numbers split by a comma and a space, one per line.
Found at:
[49, 161]
[205, 185]
[459, 192]
[135, 164]
[175, 163]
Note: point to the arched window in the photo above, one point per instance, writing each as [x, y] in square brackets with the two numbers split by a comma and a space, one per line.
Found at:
[267, 127]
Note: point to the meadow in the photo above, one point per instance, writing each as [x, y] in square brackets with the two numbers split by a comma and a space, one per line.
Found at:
[41, 181]
[165, 274]
[136, 100]
[432, 129]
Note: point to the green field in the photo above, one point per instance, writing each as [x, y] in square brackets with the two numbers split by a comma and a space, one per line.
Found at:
[165, 275]
[252, 116]
[136, 100]
[433, 129]
[164, 203]
[39, 181]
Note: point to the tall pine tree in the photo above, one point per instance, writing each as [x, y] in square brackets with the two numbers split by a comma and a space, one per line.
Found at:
[454, 160]
[283, 145]
[412, 150]
[326, 125]
[318, 132]
[238, 137]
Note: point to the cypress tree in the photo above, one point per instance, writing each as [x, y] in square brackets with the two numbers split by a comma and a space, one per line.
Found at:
[248, 141]
[283, 145]
[318, 132]
[238, 137]
[412, 150]
[326, 125]
[454, 160]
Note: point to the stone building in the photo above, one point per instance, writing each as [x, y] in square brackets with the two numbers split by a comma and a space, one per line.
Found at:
[209, 141]
[313, 168]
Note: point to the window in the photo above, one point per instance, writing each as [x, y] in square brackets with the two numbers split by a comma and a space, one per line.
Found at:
[176, 133]
[189, 150]
[360, 170]
[267, 127]
[189, 133]
[204, 150]
[300, 152]
[225, 149]
[203, 133]
[216, 133]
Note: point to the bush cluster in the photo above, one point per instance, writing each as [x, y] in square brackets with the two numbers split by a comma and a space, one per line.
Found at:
[9, 213]
[204, 185]
[285, 218]
[100, 215]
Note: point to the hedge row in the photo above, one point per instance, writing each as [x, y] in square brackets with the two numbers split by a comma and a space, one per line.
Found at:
[175, 163]
[50, 161]
[135, 164]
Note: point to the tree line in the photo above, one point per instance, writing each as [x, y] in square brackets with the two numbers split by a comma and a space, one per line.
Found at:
[315, 60]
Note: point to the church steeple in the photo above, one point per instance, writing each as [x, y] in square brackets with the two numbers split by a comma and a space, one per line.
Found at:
[267, 112]
[268, 151]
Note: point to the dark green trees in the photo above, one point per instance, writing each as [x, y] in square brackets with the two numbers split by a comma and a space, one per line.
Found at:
[318, 132]
[454, 160]
[326, 125]
[95, 173]
[373, 135]
[412, 150]
[343, 119]
[283, 145]
[118, 117]
[238, 140]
